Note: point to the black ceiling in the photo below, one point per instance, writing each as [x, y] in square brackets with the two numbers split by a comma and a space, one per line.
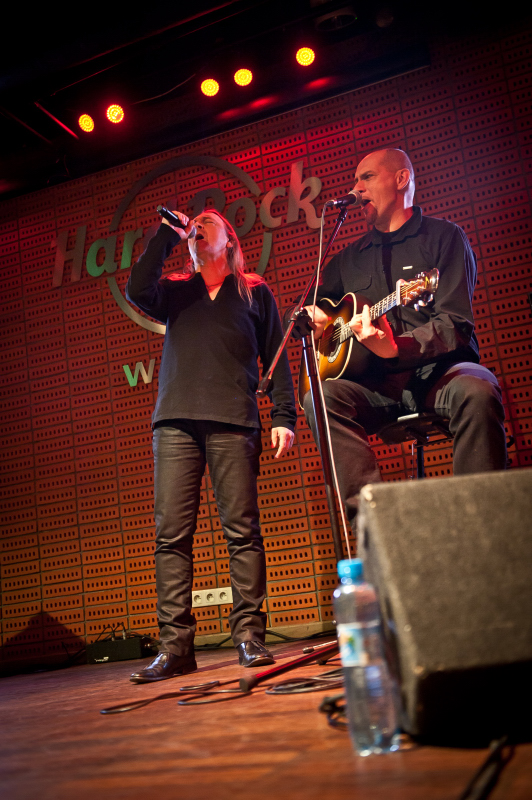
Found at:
[152, 62]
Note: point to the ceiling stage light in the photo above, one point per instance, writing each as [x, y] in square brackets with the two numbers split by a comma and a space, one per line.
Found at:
[86, 123]
[210, 87]
[305, 56]
[243, 77]
[115, 113]
[320, 84]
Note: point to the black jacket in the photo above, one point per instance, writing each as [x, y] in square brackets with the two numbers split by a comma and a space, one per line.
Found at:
[371, 266]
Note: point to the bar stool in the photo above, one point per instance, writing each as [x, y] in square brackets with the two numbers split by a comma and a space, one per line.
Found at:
[421, 429]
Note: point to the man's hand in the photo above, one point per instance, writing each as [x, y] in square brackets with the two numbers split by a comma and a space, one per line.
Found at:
[283, 438]
[183, 233]
[377, 336]
[319, 318]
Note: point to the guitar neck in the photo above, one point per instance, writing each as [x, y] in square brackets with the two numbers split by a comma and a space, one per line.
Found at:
[380, 308]
[406, 294]
[344, 331]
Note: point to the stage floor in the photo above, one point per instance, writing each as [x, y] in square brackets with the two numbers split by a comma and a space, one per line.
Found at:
[56, 745]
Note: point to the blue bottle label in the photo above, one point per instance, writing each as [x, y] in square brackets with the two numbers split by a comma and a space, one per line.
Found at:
[351, 641]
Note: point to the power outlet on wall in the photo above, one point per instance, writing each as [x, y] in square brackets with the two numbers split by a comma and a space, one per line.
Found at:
[212, 597]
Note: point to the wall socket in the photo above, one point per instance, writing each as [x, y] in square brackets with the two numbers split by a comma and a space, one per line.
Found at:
[212, 597]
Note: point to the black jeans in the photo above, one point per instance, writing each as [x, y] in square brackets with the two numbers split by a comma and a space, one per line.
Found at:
[466, 393]
[181, 451]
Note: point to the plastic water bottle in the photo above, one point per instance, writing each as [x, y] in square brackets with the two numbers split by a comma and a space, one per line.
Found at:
[369, 688]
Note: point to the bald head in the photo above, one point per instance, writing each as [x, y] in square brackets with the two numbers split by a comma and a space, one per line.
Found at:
[385, 178]
[394, 159]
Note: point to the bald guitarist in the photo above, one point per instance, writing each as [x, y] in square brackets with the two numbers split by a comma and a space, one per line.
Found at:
[424, 359]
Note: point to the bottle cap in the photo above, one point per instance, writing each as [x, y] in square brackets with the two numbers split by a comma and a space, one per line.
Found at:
[351, 568]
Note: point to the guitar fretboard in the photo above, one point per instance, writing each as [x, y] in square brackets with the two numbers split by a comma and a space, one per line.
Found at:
[342, 331]
[380, 308]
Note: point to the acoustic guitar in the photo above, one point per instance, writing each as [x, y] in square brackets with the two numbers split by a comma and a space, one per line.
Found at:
[340, 354]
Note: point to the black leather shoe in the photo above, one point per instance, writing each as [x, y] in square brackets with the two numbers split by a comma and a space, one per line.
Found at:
[166, 665]
[253, 654]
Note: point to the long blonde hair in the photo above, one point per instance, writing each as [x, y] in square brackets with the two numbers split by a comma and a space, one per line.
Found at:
[235, 261]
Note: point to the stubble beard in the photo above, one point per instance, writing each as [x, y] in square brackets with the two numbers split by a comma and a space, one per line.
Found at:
[370, 214]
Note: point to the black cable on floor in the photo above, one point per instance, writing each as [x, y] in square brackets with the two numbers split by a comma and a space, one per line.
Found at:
[204, 693]
[284, 637]
[316, 683]
[335, 709]
[485, 778]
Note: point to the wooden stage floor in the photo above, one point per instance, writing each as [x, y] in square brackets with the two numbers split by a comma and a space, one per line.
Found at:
[56, 745]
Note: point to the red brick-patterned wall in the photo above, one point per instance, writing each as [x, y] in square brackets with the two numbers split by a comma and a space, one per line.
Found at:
[76, 511]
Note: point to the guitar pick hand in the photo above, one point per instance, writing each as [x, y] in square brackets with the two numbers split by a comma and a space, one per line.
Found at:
[376, 335]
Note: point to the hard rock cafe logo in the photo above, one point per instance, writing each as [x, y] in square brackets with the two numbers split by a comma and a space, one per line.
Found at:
[101, 255]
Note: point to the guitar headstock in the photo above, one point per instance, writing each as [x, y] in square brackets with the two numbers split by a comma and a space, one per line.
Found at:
[421, 290]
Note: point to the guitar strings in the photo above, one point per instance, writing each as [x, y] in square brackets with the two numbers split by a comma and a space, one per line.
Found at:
[342, 330]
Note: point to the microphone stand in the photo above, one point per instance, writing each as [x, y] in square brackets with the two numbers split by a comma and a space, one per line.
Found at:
[302, 328]
[321, 656]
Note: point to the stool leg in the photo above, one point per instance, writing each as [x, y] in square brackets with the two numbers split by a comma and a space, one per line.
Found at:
[420, 460]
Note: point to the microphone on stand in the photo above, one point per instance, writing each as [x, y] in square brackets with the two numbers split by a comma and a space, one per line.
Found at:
[354, 198]
[174, 220]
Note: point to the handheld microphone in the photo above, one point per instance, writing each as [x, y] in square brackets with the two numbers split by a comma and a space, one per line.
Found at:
[354, 198]
[174, 220]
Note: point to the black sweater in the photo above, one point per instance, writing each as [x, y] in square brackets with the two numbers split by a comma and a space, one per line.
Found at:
[209, 367]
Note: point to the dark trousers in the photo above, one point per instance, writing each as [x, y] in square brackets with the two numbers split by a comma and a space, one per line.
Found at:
[181, 451]
[467, 394]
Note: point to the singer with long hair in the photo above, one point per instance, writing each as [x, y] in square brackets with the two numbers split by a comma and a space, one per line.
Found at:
[219, 321]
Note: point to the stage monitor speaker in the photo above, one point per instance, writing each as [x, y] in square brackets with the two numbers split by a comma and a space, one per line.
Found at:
[451, 559]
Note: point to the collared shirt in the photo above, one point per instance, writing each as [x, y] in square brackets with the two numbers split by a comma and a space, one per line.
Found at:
[371, 266]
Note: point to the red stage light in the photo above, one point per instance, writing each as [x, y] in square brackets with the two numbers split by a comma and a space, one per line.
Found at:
[115, 113]
[210, 87]
[262, 102]
[320, 83]
[243, 77]
[86, 123]
[305, 56]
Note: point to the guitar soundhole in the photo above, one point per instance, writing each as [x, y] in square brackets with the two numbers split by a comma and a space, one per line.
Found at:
[334, 339]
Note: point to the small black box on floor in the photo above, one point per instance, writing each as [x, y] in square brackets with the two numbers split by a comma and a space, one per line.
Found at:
[451, 559]
[114, 650]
